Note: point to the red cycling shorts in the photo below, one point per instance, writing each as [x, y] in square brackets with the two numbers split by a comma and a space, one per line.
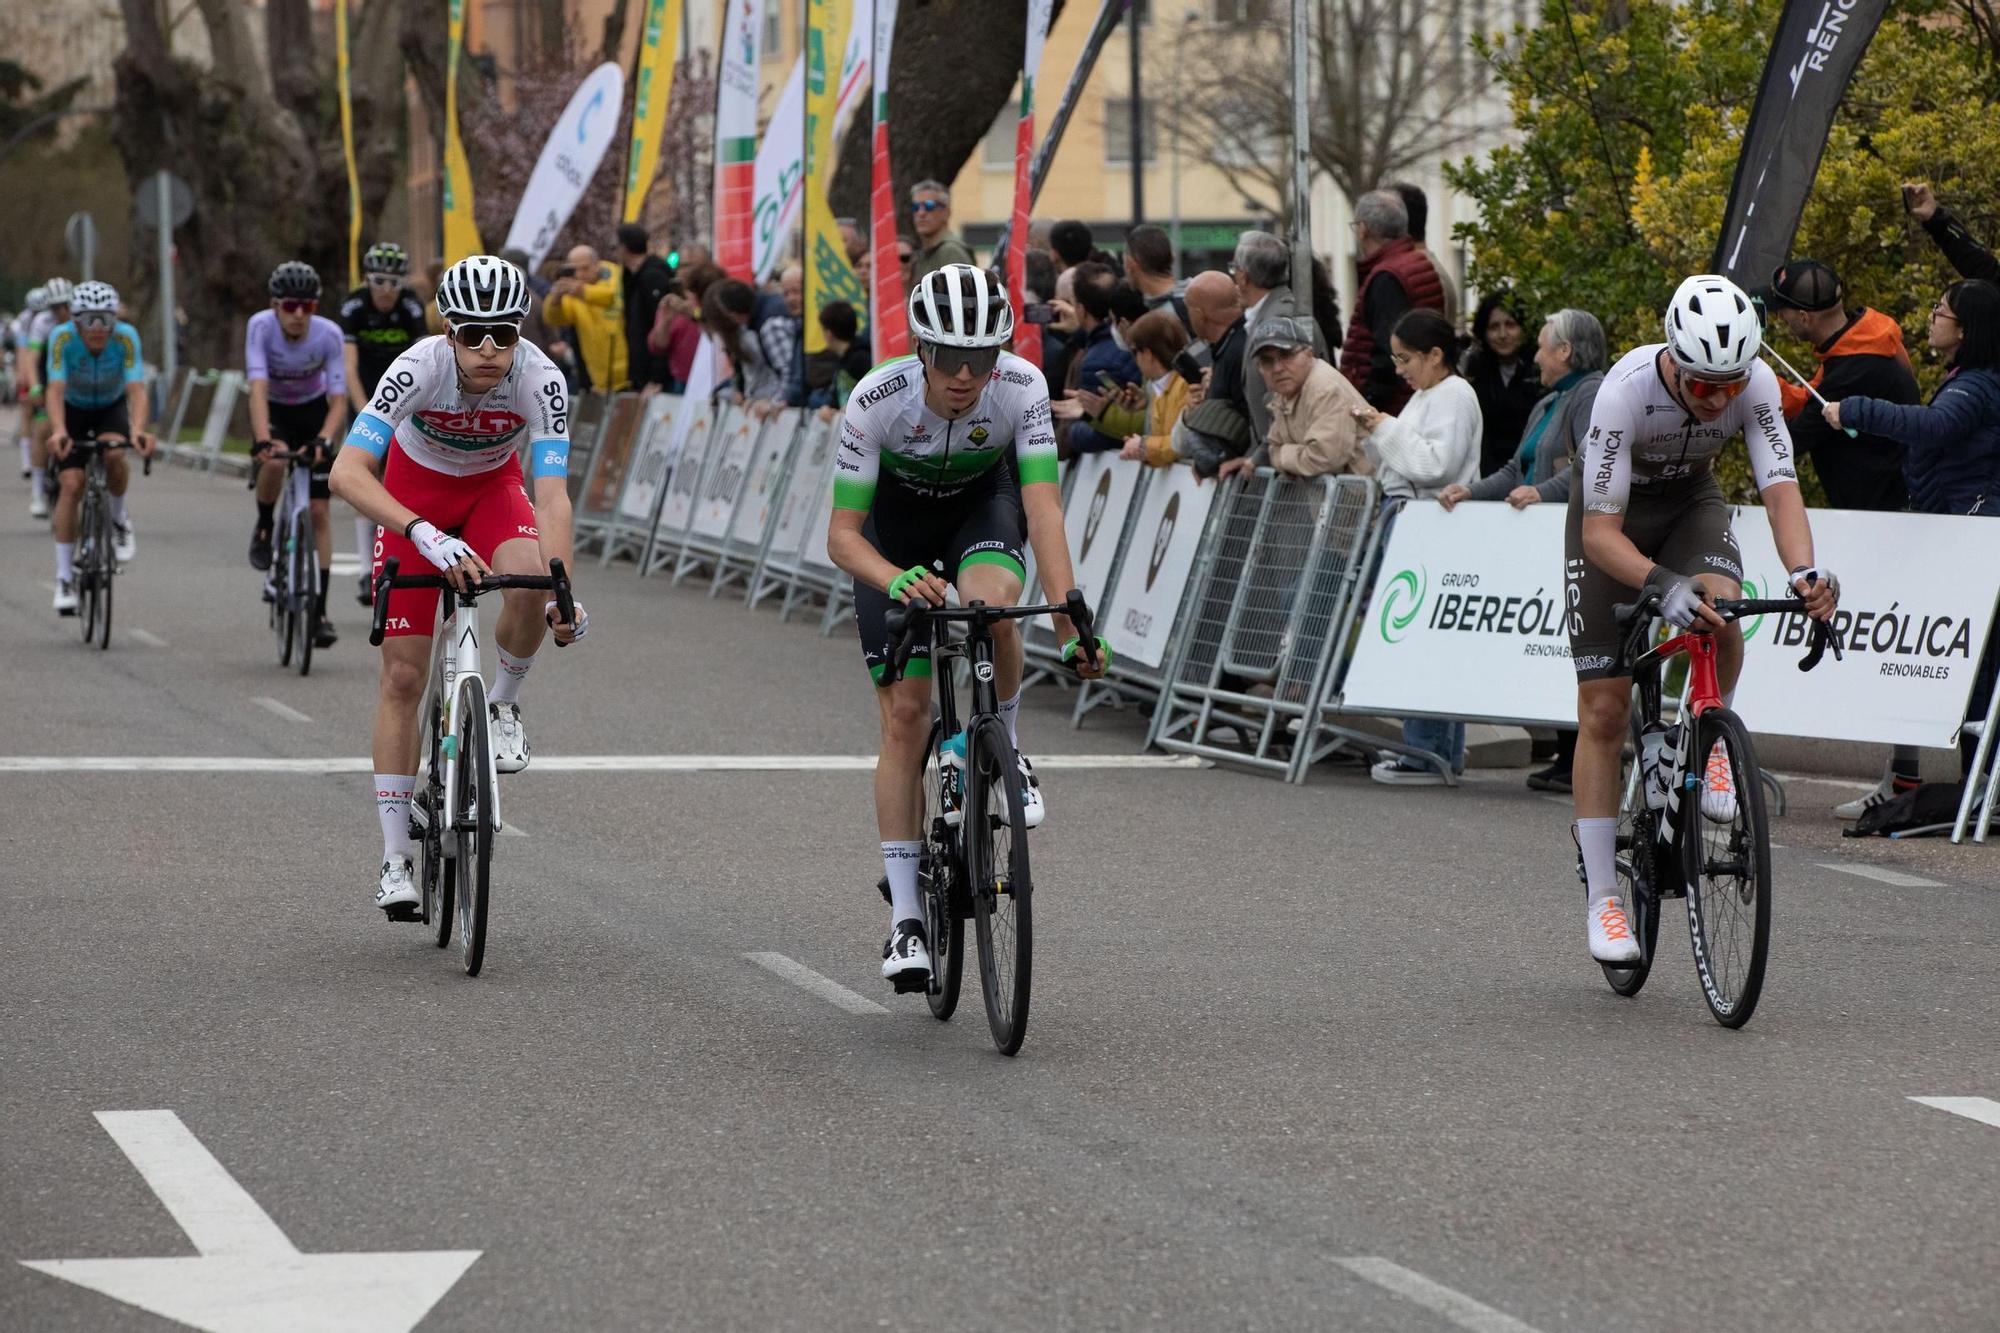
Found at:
[485, 511]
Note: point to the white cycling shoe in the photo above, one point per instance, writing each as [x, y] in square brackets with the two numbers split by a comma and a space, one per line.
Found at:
[398, 888]
[906, 960]
[1611, 937]
[66, 597]
[38, 503]
[1033, 810]
[1718, 788]
[124, 542]
[510, 742]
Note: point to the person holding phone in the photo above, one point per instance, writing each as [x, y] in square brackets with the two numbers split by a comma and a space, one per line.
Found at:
[1159, 343]
[1097, 367]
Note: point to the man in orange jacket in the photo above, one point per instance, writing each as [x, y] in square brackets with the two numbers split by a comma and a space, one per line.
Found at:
[1859, 351]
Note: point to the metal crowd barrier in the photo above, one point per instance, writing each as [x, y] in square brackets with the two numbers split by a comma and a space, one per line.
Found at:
[795, 548]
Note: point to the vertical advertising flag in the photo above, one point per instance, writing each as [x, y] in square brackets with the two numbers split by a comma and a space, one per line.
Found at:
[344, 68]
[461, 233]
[569, 161]
[1027, 337]
[1108, 14]
[829, 277]
[887, 319]
[1813, 55]
[659, 47]
[736, 152]
[780, 177]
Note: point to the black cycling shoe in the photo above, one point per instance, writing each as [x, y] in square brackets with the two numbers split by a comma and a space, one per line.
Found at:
[260, 549]
[326, 635]
[366, 596]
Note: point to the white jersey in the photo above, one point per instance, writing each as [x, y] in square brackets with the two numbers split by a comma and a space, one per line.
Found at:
[1641, 437]
[888, 426]
[419, 405]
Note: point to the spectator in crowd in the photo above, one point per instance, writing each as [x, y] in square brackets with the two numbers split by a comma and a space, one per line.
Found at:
[726, 311]
[1417, 205]
[1431, 445]
[1393, 276]
[585, 299]
[1072, 242]
[1571, 353]
[1097, 367]
[1314, 431]
[1215, 424]
[1498, 368]
[852, 239]
[1326, 307]
[1953, 444]
[647, 278]
[1149, 266]
[832, 372]
[676, 331]
[1263, 272]
[1968, 256]
[1039, 230]
[534, 328]
[1157, 338]
[937, 244]
[780, 327]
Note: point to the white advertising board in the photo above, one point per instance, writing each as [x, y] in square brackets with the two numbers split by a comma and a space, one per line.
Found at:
[696, 427]
[651, 457]
[1094, 516]
[1140, 623]
[736, 443]
[806, 493]
[766, 467]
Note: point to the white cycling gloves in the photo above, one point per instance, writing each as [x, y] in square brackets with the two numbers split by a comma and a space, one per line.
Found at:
[440, 548]
[582, 618]
[1680, 597]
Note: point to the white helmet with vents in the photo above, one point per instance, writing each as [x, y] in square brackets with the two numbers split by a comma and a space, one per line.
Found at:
[1712, 329]
[483, 288]
[94, 298]
[960, 305]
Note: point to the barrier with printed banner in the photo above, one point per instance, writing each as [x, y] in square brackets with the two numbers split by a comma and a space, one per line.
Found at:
[1146, 600]
[1094, 518]
[735, 445]
[651, 458]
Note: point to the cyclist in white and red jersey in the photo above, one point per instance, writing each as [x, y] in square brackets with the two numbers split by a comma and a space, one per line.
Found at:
[432, 460]
[1645, 512]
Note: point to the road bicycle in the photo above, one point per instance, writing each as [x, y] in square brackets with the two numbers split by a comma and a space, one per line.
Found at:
[1667, 846]
[975, 857]
[96, 562]
[455, 811]
[295, 604]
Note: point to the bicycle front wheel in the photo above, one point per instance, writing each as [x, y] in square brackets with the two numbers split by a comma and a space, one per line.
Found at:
[1726, 849]
[475, 831]
[85, 569]
[942, 880]
[284, 616]
[436, 869]
[107, 567]
[305, 592]
[1639, 883]
[996, 847]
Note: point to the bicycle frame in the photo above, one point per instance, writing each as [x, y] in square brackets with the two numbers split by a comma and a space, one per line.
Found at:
[454, 655]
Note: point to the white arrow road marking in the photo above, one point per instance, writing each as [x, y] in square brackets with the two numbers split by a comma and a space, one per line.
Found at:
[1983, 1109]
[577, 763]
[147, 637]
[1882, 874]
[1456, 1306]
[248, 1276]
[284, 710]
[805, 978]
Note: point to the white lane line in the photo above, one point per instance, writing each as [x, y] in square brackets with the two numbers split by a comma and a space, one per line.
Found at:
[512, 830]
[1848, 784]
[805, 978]
[1883, 875]
[347, 566]
[147, 637]
[218, 1214]
[586, 763]
[286, 711]
[1983, 1109]
[1456, 1306]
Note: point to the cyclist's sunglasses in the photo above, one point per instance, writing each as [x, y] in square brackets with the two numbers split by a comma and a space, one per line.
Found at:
[291, 305]
[384, 280]
[951, 360]
[1723, 389]
[96, 320]
[474, 337]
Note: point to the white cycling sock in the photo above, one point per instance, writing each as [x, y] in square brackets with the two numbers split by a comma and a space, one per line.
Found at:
[900, 860]
[392, 807]
[1598, 839]
[364, 540]
[119, 515]
[507, 684]
[1010, 713]
[65, 561]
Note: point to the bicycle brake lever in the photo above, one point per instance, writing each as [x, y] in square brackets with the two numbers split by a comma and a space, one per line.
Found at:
[565, 600]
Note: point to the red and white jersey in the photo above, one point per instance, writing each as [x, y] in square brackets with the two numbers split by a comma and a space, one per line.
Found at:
[419, 405]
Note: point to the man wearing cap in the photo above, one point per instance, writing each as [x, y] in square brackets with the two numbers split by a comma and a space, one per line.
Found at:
[1313, 428]
[1859, 351]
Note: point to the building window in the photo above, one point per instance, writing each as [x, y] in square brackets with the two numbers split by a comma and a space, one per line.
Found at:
[1246, 11]
[774, 29]
[1118, 131]
[996, 150]
[1244, 136]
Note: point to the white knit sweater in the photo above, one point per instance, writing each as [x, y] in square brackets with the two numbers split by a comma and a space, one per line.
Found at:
[1433, 444]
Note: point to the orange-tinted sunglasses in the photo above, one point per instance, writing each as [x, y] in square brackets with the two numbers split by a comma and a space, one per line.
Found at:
[1723, 389]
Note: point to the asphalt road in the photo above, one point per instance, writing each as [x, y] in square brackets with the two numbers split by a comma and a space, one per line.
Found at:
[1329, 1057]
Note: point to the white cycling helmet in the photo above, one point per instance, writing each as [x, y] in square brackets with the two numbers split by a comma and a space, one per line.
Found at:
[38, 300]
[57, 291]
[94, 298]
[1712, 329]
[961, 305]
[483, 288]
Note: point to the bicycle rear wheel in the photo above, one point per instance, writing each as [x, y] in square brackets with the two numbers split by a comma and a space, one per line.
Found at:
[84, 570]
[1639, 884]
[305, 591]
[435, 868]
[1728, 868]
[283, 614]
[475, 829]
[106, 560]
[941, 879]
[1000, 884]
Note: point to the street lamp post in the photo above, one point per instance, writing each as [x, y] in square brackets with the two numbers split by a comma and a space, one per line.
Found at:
[1188, 19]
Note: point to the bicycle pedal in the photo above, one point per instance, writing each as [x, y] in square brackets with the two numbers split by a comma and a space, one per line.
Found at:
[908, 983]
[403, 912]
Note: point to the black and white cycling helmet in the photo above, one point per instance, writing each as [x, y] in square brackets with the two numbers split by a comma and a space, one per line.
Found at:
[960, 305]
[94, 298]
[294, 280]
[1712, 329]
[56, 291]
[385, 257]
[37, 300]
[483, 288]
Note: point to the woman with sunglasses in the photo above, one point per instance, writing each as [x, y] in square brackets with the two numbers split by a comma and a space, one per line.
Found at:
[434, 460]
[926, 481]
[1645, 512]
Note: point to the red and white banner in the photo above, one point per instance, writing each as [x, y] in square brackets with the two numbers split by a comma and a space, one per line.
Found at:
[887, 318]
[736, 137]
[1027, 337]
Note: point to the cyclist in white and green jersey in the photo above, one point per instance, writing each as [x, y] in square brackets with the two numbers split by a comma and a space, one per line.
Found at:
[947, 467]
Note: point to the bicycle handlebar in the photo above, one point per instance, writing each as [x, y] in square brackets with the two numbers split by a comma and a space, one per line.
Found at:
[904, 623]
[556, 581]
[1627, 615]
[111, 446]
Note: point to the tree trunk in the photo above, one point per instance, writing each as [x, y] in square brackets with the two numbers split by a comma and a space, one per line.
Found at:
[288, 46]
[376, 82]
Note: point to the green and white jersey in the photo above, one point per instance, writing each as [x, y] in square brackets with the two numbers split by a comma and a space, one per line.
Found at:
[888, 427]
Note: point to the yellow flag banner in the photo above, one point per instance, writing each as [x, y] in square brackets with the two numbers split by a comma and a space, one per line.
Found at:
[347, 143]
[461, 233]
[653, 82]
[829, 277]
